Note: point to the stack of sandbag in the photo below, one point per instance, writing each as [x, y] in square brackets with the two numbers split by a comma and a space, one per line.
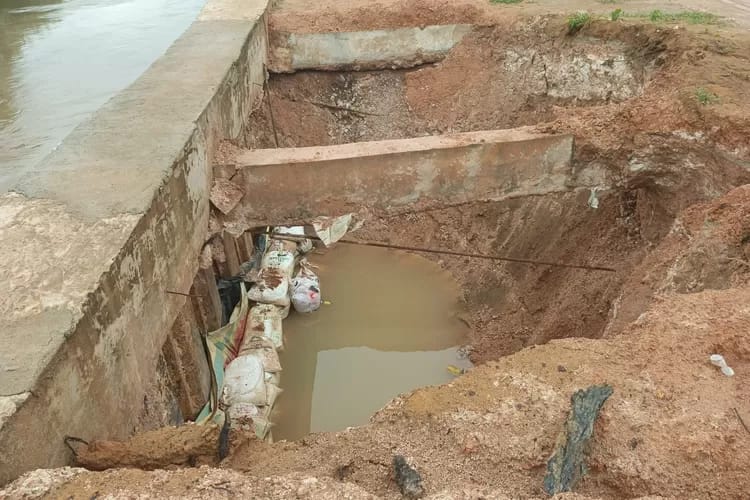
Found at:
[251, 380]
[276, 268]
[251, 385]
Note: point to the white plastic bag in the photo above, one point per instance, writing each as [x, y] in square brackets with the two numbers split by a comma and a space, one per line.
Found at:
[244, 382]
[306, 289]
[272, 286]
[265, 320]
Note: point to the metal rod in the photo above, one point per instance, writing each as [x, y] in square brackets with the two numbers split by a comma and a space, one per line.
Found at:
[740, 419]
[270, 113]
[282, 236]
[172, 292]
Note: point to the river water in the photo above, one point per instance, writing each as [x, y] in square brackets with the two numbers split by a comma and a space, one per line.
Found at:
[61, 60]
[391, 326]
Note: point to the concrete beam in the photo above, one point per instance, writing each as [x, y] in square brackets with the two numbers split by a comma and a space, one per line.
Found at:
[284, 185]
[363, 50]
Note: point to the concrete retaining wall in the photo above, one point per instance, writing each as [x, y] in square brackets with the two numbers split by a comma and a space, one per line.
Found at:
[363, 50]
[96, 234]
[285, 185]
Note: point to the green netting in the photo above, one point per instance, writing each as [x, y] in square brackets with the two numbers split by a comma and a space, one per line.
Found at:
[224, 345]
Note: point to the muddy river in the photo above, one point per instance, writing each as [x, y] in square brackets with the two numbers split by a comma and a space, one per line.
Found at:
[390, 326]
[61, 60]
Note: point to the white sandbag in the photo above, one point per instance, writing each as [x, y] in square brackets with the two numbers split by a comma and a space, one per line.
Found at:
[265, 320]
[273, 378]
[244, 382]
[262, 427]
[283, 245]
[272, 392]
[285, 310]
[248, 409]
[242, 416]
[262, 347]
[331, 229]
[301, 246]
[272, 287]
[306, 296]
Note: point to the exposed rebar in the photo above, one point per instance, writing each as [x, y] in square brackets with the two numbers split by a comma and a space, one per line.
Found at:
[378, 244]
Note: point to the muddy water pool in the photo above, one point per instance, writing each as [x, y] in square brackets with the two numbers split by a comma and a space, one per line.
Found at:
[391, 326]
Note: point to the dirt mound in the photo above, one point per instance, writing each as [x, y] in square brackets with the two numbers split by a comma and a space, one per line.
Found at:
[670, 427]
[332, 16]
[169, 446]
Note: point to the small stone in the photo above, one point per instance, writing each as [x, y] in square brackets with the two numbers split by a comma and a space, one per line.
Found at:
[561, 368]
[471, 444]
[407, 478]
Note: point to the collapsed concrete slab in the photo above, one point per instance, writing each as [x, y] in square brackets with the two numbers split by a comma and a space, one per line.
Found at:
[363, 50]
[394, 175]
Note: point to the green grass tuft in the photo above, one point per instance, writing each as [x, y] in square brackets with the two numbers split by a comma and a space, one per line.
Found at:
[616, 14]
[688, 16]
[656, 16]
[578, 21]
[705, 97]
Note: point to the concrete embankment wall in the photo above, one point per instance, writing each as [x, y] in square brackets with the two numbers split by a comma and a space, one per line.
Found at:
[102, 228]
[282, 185]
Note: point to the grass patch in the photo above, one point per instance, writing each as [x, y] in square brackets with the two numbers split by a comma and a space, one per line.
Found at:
[705, 97]
[578, 21]
[615, 14]
[687, 16]
[506, 1]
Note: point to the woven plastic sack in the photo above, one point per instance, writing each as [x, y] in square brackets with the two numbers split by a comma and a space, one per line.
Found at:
[265, 320]
[244, 382]
[263, 348]
[272, 286]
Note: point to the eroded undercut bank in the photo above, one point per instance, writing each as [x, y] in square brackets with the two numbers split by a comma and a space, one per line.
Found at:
[513, 139]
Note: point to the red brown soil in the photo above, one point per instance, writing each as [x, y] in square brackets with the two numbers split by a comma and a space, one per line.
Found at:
[169, 446]
[663, 151]
[301, 16]
[671, 427]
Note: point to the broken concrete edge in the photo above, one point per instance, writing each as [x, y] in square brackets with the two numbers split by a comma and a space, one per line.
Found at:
[9, 405]
[363, 50]
[386, 176]
[106, 220]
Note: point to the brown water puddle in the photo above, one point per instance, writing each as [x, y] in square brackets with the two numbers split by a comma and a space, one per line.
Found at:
[390, 327]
